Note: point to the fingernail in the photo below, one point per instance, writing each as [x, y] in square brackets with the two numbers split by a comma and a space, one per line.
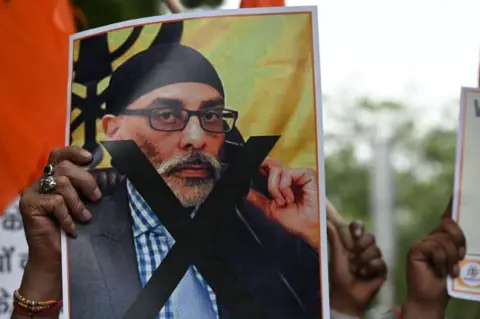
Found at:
[86, 215]
[462, 252]
[357, 233]
[73, 231]
[86, 153]
[97, 194]
[363, 272]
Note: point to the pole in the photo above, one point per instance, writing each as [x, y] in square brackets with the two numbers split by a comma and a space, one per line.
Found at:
[384, 225]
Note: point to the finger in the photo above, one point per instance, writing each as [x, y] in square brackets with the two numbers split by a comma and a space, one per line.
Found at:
[336, 245]
[80, 178]
[268, 164]
[451, 250]
[285, 187]
[259, 201]
[273, 186]
[436, 255]
[363, 243]
[451, 228]
[74, 154]
[357, 229]
[71, 198]
[374, 268]
[364, 257]
[55, 204]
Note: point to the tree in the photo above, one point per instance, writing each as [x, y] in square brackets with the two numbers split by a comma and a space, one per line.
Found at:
[423, 161]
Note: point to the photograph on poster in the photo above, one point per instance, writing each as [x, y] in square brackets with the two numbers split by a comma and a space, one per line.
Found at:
[207, 144]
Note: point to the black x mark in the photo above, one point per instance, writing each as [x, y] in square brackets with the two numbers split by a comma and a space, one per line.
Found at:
[192, 236]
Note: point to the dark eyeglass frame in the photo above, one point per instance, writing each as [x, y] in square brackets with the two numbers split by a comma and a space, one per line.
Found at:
[148, 113]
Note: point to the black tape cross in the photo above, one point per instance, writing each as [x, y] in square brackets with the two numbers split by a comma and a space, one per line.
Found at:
[192, 236]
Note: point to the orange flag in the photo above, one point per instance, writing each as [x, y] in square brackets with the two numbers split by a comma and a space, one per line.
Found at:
[33, 82]
[261, 3]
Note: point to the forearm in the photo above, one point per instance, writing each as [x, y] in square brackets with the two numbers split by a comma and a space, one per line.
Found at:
[414, 310]
[41, 281]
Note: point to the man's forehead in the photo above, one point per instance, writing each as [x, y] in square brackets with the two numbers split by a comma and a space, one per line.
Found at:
[178, 103]
[184, 95]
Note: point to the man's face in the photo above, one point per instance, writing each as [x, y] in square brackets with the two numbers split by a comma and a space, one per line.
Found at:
[188, 160]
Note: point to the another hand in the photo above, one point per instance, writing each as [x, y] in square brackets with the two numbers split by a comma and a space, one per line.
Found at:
[45, 214]
[295, 200]
[430, 261]
[357, 275]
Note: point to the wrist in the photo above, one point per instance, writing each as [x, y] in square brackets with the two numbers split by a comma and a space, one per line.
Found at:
[344, 306]
[412, 309]
[335, 314]
[42, 280]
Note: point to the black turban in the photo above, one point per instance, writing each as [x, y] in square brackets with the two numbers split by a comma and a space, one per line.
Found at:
[158, 66]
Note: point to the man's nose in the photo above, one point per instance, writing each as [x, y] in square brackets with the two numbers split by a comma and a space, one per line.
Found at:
[193, 136]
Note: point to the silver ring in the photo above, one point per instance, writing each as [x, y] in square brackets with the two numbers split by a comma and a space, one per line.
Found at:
[47, 182]
[48, 170]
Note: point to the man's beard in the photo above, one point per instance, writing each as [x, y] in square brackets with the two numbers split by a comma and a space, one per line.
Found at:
[190, 191]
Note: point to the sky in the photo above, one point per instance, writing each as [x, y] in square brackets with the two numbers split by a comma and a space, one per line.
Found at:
[419, 52]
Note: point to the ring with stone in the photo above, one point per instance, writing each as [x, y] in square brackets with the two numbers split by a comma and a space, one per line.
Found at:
[48, 170]
[47, 184]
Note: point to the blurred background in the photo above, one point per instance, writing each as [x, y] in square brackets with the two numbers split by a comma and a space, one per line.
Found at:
[391, 75]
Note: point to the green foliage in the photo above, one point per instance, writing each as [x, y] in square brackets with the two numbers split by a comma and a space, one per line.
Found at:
[199, 3]
[423, 183]
[102, 12]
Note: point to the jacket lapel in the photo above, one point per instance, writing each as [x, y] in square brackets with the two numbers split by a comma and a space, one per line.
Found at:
[115, 251]
[246, 245]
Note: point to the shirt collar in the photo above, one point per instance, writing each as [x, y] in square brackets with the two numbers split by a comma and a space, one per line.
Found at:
[144, 218]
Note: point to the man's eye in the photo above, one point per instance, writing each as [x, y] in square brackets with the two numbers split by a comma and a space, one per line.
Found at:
[166, 115]
[212, 116]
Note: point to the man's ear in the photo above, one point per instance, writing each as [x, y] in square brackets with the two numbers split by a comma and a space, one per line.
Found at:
[110, 124]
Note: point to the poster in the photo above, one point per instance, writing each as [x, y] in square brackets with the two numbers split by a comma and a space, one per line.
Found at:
[466, 200]
[13, 256]
[207, 139]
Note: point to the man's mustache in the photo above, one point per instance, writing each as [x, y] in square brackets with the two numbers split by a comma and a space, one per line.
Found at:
[177, 163]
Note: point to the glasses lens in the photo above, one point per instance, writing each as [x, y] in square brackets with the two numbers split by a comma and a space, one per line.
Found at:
[168, 119]
[218, 120]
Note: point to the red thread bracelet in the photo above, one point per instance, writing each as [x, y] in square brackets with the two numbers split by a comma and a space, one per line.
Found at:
[47, 312]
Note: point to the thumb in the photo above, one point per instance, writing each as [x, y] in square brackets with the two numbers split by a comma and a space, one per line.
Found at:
[357, 229]
[259, 201]
[336, 245]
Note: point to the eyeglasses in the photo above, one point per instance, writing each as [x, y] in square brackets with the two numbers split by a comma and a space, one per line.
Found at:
[168, 119]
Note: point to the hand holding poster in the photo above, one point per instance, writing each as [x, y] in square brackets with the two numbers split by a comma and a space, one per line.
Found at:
[226, 231]
[466, 200]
